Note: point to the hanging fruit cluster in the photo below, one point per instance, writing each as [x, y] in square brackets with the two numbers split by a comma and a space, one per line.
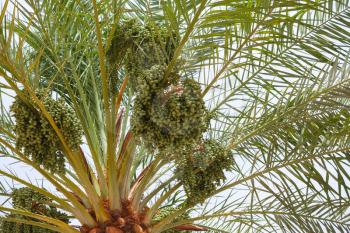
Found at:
[30, 200]
[203, 170]
[170, 119]
[124, 35]
[35, 135]
[168, 112]
[153, 46]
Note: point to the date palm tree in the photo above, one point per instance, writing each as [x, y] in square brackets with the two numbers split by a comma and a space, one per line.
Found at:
[168, 116]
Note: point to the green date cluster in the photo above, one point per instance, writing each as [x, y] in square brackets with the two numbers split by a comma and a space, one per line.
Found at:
[170, 120]
[202, 170]
[30, 200]
[35, 136]
[169, 113]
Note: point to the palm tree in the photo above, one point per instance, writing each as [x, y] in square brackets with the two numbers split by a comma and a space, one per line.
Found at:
[169, 116]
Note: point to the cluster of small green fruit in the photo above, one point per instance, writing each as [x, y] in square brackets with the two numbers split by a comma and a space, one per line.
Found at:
[139, 47]
[35, 135]
[172, 119]
[30, 200]
[165, 212]
[202, 170]
[168, 112]
[154, 45]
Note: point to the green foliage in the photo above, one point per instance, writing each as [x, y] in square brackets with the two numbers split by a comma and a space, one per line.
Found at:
[165, 212]
[36, 137]
[202, 171]
[30, 200]
[11, 227]
[252, 58]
